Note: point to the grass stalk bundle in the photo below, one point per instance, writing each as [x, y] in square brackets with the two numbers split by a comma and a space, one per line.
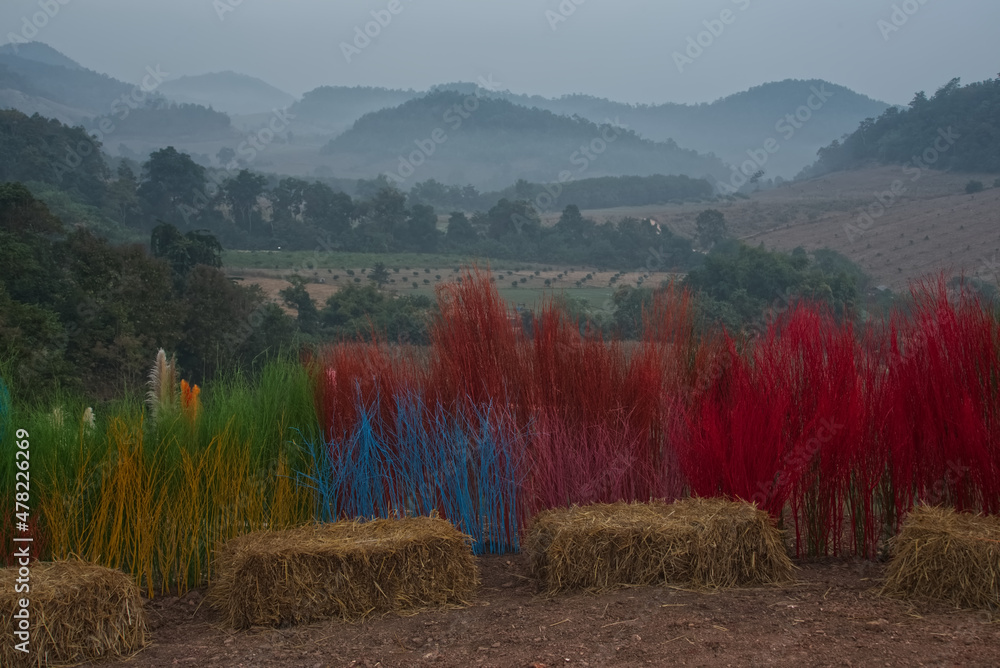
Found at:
[347, 570]
[943, 555]
[79, 612]
[697, 542]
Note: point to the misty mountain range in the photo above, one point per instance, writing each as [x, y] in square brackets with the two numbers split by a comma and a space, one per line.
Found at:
[354, 132]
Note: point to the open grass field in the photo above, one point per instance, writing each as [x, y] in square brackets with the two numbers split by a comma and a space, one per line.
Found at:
[306, 261]
[595, 288]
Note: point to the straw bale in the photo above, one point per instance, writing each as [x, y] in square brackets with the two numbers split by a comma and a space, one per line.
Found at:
[77, 611]
[943, 555]
[346, 570]
[697, 542]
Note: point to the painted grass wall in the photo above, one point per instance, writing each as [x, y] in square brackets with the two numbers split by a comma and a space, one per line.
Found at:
[836, 431]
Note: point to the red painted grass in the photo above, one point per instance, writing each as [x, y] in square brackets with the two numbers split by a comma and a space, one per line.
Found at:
[836, 433]
[478, 352]
[943, 402]
[779, 425]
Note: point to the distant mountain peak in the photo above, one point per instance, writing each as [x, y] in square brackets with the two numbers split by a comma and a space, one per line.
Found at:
[228, 91]
[40, 52]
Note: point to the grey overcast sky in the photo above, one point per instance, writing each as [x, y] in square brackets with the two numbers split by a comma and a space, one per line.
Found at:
[619, 49]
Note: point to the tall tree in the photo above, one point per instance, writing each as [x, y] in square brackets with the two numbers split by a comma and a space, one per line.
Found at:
[460, 229]
[422, 228]
[379, 275]
[183, 252]
[711, 225]
[242, 194]
[328, 209]
[173, 187]
[123, 196]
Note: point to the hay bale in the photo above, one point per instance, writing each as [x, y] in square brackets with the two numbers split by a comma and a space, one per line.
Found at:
[78, 612]
[697, 542]
[942, 555]
[345, 570]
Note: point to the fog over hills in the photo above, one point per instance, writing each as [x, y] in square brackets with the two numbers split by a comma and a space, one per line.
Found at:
[458, 138]
[227, 91]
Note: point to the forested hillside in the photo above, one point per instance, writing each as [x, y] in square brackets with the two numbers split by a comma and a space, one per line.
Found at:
[956, 128]
[491, 142]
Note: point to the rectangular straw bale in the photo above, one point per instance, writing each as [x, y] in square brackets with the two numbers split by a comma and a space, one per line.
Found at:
[346, 570]
[943, 555]
[698, 542]
[78, 612]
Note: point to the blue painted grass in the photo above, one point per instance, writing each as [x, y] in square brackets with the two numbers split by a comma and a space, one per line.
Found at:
[466, 469]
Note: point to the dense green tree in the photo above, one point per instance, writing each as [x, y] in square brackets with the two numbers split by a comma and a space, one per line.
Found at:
[123, 197]
[743, 283]
[328, 210]
[173, 187]
[711, 226]
[379, 275]
[421, 228]
[37, 149]
[513, 218]
[32, 347]
[288, 198]
[382, 220]
[367, 311]
[572, 225]
[242, 193]
[121, 309]
[222, 317]
[183, 252]
[297, 297]
[30, 265]
[460, 230]
[629, 303]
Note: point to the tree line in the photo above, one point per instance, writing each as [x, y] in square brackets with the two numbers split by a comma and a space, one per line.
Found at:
[957, 128]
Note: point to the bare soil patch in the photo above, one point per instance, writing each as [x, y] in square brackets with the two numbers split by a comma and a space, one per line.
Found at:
[832, 615]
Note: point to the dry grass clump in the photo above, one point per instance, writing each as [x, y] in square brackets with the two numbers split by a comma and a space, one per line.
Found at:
[699, 542]
[78, 612]
[944, 555]
[346, 570]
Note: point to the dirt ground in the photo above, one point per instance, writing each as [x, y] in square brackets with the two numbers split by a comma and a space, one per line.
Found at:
[831, 616]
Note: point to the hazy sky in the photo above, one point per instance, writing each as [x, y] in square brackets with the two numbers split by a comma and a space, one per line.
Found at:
[620, 49]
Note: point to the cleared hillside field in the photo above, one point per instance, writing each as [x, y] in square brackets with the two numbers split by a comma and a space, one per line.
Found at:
[932, 225]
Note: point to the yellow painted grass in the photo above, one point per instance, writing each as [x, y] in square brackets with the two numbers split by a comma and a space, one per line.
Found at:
[159, 511]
